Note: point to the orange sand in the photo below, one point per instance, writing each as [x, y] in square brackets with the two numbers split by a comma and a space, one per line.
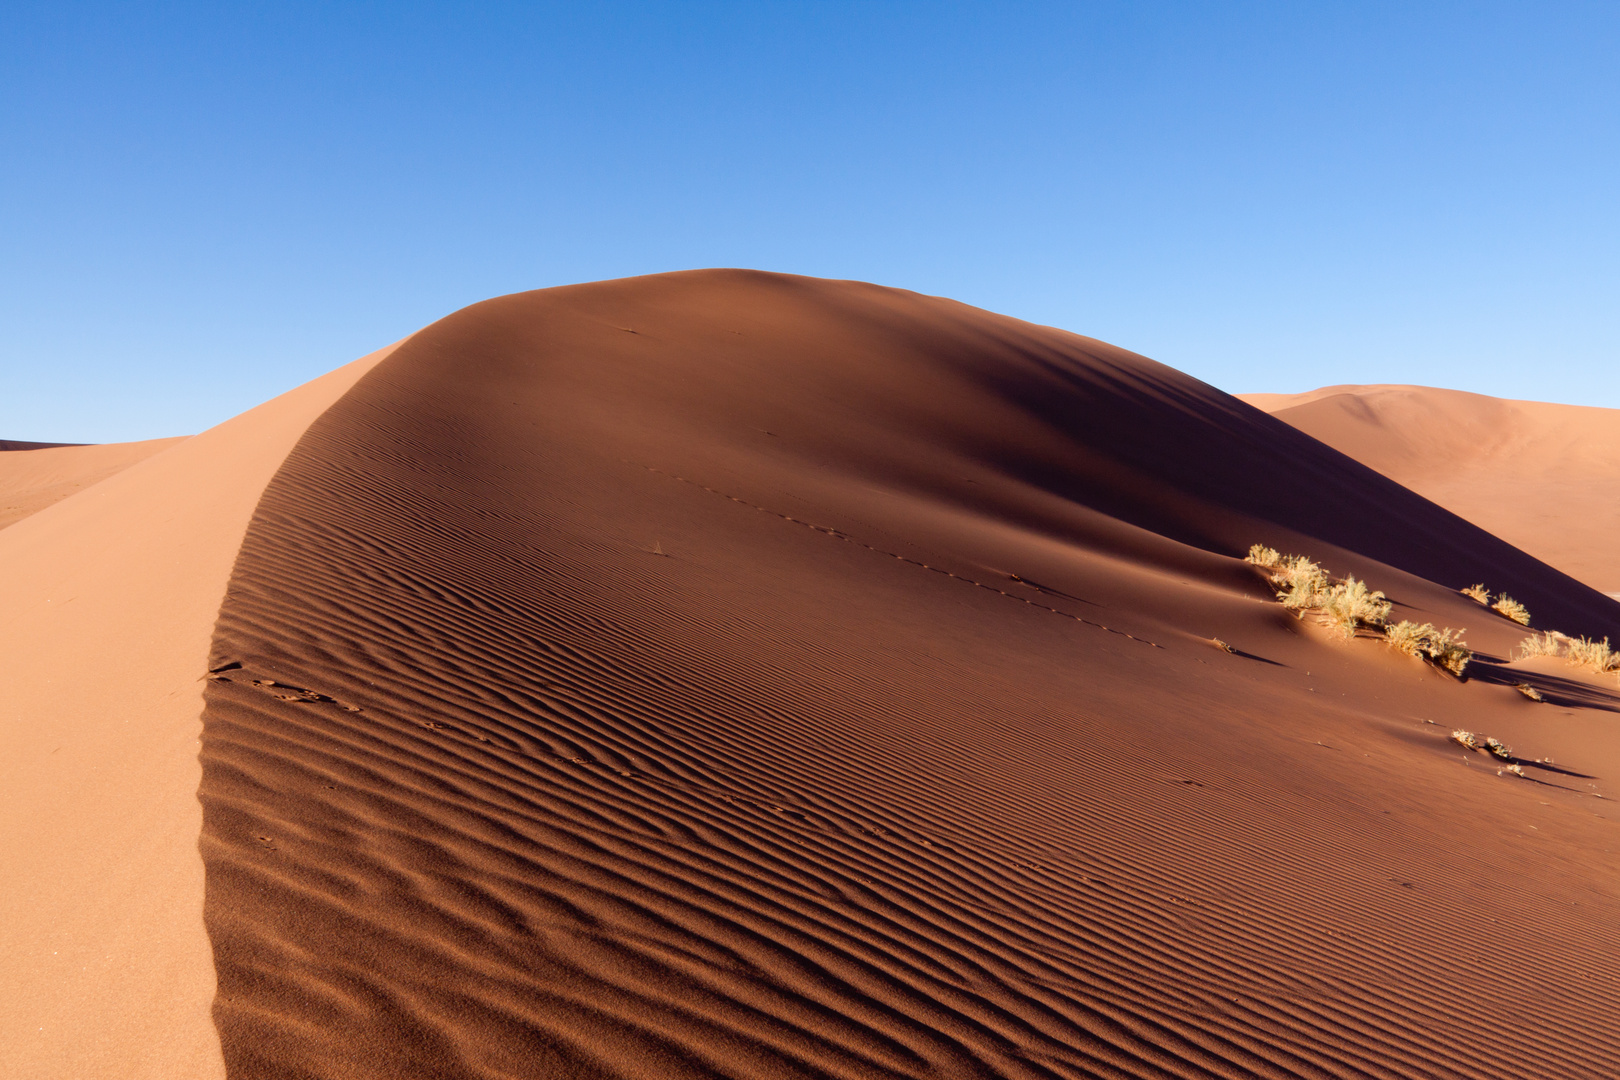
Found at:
[727, 674]
[107, 601]
[32, 479]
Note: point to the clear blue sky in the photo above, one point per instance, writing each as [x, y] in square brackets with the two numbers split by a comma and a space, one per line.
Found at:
[203, 205]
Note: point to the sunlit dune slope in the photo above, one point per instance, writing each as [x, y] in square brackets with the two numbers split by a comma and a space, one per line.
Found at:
[1543, 477]
[108, 599]
[729, 674]
[35, 475]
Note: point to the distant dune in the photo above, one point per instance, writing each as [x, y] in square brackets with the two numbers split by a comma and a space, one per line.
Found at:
[733, 674]
[1545, 478]
[35, 475]
[20, 444]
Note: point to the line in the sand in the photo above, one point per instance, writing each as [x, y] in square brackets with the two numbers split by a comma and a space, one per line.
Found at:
[840, 535]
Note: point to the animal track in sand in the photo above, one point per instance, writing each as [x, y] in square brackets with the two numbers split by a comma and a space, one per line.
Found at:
[275, 688]
[840, 535]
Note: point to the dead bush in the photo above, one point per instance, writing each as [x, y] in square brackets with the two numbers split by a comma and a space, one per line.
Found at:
[1443, 648]
[1512, 609]
[1263, 556]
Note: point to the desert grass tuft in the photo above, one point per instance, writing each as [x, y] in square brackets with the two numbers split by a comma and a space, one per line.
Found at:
[1549, 644]
[1263, 556]
[1529, 691]
[1303, 585]
[1444, 648]
[1592, 655]
[1408, 637]
[1350, 605]
[1300, 583]
[1512, 609]
[1466, 739]
[1478, 593]
[1499, 749]
[1579, 652]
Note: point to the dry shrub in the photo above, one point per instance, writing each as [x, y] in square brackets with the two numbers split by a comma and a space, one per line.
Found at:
[1260, 555]
[1495, 747]
[1478, 593]
[1444, 648]
[1528, 691]
[1511, 608]
[1301, 584]
[1592, 655]
[1408, 637]
[1579, 652]
[1549, 644]
[1292, 569]
[1350, 605]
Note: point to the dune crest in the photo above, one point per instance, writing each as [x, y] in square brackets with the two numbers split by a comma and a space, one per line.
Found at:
[108, 599]
[731, 674]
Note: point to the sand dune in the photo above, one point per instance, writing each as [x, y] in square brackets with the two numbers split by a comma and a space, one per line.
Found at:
[23, 444]
[35, 475]
[107, 602]
[1546, 478]
[729, 674]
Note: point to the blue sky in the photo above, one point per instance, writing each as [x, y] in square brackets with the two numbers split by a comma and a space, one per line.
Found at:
[202, 206]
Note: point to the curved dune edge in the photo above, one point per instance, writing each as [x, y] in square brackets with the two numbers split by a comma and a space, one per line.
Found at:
[651, 679]
[107, 604]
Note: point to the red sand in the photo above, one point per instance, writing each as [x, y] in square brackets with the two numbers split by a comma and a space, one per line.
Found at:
[729, 674]
[1545, 478]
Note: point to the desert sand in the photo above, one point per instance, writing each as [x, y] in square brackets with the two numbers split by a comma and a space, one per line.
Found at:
[107, 603]
[734, 674]
[1512, 467]
[34, 476]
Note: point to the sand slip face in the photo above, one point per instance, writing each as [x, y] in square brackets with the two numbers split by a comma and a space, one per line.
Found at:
[32, 479]
[1546, 478]
[724, 674]
[107, 602]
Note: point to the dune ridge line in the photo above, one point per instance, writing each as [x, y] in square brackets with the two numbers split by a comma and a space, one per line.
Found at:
[108, 600]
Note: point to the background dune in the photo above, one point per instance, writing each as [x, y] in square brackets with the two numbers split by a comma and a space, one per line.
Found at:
[23, 444]
[729, 674]
[1545, 478]
[35, 475]
[107, 602]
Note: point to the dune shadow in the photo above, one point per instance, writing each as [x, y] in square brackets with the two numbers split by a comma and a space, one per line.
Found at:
[1554, 689]
[1545, 766]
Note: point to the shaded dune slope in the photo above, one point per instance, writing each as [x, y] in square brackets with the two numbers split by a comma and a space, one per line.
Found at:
[726, 674]
[1544, 477]
[21, 444]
